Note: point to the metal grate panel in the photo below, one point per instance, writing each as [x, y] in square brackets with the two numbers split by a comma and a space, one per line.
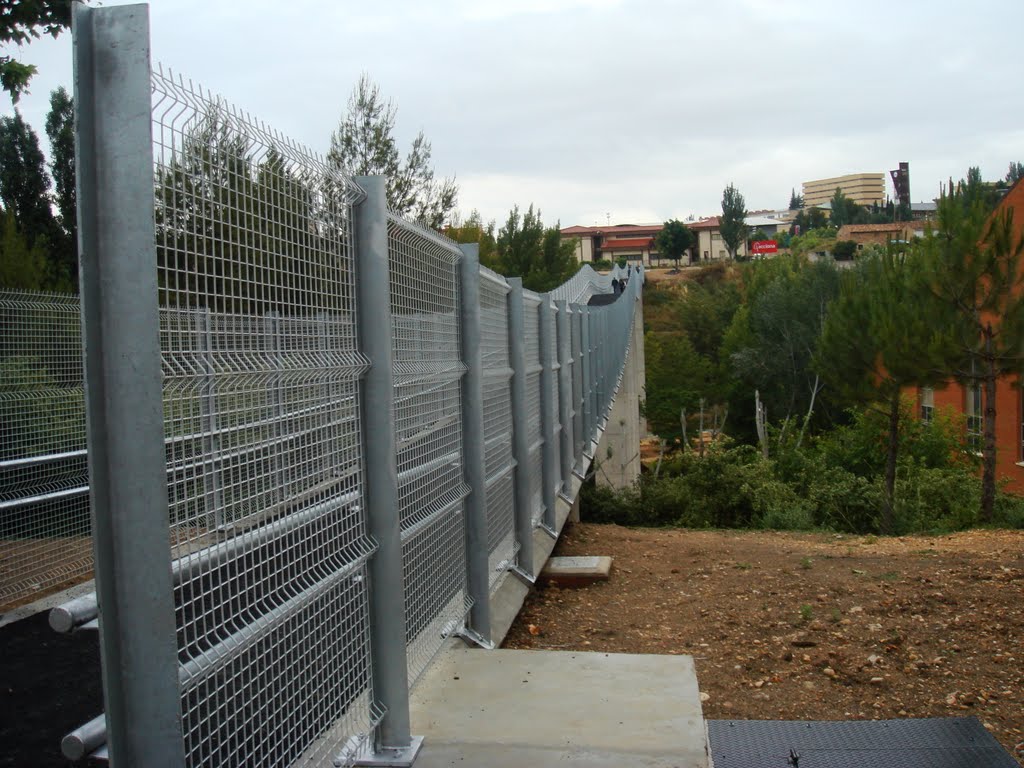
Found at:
[925, 743]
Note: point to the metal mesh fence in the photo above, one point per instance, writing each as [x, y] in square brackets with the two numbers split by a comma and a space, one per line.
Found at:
[428, 419]
[261, 410]
[498, 462]
[585, 283]
[44, 483]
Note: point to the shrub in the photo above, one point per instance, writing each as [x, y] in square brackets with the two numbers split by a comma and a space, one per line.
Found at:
[1009, 511]
[774, 504]
[932, 500]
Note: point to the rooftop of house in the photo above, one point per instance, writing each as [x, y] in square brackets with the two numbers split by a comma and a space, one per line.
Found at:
[612, 230]
[893, 227]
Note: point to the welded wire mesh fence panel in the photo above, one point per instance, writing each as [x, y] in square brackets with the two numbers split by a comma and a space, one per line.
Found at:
[44, 484]
[534, 438]
[261, 410]
[428, 423]
[497, 397]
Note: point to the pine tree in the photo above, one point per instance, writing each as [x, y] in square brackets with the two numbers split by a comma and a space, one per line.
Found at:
[364, 145]
[525, 247]
[973, 267]
[881, 335]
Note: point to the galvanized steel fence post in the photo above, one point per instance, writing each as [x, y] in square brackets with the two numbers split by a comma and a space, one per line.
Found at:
[477, 576]
[602, 366]
[392, 743]
[549, 449]
[520, 444]
[564, 339]
[124, 411]
[588, 382]
[578, 395]
[477, 570]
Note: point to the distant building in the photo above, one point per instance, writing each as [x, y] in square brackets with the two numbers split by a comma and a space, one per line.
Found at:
[881, 234]
[862, 188]
[633, 242]
[711, 247]
[920, 211]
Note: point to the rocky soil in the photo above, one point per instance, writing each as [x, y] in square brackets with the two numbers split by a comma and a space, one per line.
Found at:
[807, 626]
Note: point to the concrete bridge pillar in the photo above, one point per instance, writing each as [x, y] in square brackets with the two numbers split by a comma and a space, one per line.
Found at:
[617, 460]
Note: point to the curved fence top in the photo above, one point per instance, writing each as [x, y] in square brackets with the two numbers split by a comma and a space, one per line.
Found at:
[586, 282]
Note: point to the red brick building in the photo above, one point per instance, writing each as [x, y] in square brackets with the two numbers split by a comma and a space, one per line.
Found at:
[1009, 394]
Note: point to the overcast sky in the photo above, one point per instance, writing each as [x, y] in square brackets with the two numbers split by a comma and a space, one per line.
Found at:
[633, 110]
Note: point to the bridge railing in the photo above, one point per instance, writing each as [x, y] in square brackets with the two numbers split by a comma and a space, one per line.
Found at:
[349, 428]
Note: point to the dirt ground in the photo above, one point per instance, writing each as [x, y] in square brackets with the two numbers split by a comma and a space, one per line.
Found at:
[786, 626]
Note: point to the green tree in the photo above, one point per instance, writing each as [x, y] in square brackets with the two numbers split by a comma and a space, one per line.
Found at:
[808, 219]
[1015, 174]
[704, 312]
[526, 248]
[60, 129]
[732, 224]
[677, 377]
[796, 202]
[24, 184]
[673, 240]
[972, 263]
[787, 302]
[813, 241]
[474, 230]
[844, 210]
[20, 22]
[364, 145]
[22, 267]
[882, 335]
[844, 250]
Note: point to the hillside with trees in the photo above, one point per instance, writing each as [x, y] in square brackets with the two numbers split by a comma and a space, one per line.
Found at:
[784, 390]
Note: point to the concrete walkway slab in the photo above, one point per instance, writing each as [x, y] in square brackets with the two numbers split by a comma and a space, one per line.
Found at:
[576, 571]
[536, 709]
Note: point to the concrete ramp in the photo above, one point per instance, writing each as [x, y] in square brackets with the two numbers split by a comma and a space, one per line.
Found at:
[546, 708]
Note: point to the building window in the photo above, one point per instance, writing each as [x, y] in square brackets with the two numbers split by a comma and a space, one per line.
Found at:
[927, 404]
[972, 408]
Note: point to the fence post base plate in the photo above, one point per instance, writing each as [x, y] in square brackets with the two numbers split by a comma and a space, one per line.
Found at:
[391, 757]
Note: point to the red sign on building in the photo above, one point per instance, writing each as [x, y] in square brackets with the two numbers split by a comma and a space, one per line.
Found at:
[764, 246]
